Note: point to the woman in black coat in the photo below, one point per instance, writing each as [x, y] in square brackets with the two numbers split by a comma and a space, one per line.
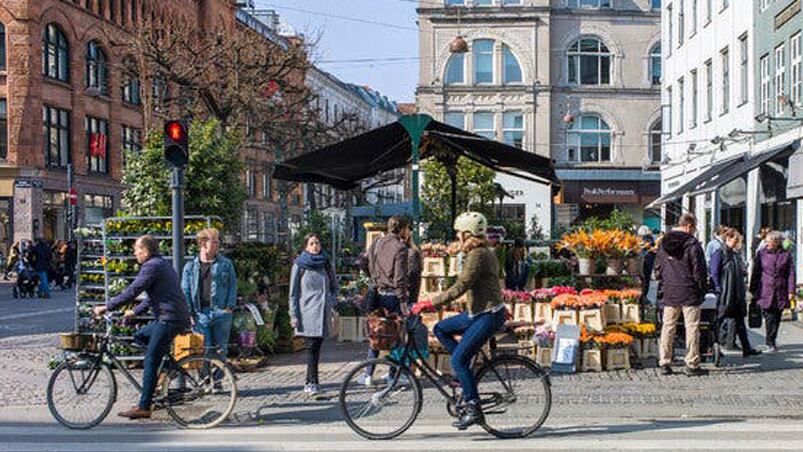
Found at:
[728, 276]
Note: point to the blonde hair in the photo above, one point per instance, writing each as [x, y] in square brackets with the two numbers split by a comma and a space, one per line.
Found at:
[205, 235]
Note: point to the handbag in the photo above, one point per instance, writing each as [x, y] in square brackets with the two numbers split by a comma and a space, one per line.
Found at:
[384, 329]
[754, 315]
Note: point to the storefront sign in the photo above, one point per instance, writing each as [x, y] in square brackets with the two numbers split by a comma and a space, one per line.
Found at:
[608, 194]
[787, 13]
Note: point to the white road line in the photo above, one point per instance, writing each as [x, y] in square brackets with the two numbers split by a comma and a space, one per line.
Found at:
[37, 313]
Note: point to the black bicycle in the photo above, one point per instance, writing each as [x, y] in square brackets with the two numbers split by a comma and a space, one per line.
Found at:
[197, 391]
[515, 392]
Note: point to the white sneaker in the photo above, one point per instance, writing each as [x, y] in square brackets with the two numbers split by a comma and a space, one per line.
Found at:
[402, 379]
[365, 380]
[311, 389]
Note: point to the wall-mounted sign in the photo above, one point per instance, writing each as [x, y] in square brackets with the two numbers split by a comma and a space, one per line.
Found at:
[28, 183]
[787, 13]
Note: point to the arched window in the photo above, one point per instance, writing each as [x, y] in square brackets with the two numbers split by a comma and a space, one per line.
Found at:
[589, 62]
[455, 69]
[511, 68]
[55, 54]
[2, 47]
[655, 64]
[131, 88]
[483, 50]
[589, 140]
[655, 141]
[97, 75]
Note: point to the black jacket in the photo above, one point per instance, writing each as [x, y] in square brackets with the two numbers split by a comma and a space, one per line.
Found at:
[732, 301]
[680, 270]
[42, 257]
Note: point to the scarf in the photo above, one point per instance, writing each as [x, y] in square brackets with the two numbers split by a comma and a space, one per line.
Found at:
[309, 261]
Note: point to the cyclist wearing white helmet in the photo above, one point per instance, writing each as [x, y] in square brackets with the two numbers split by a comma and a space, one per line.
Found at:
[485, 311]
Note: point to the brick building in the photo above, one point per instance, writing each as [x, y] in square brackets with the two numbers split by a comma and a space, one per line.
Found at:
[65, 101]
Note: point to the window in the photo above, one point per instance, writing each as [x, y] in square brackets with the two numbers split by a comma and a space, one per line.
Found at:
[511, 2]
[267, 192]
[484, 124]
[55, 54]
[589, 62]
[96, 68]
[97, 208]
[132, 139]
[681, 104]
[56, 136]
[796, 78]
[97, 140]
[780, 78]
[513, 128]
[250, 183]
[159, 91]
[455, 72]
[693, 99]
[726, 80]
[131, 84]
[512, 70]
[764, 101]
[483, 2]
[681, 22]
[3, 129]
[655, 4]
[590, 4]
[592, 136]
[2, 47]
[669, 114]
[743, 70]
[251, 224]
[709, 90]
[693, 17]
[764, 4]
[655, 141]
[483, 50]
[655, 64]
[708, 7]
[669, 29]
[455, 119]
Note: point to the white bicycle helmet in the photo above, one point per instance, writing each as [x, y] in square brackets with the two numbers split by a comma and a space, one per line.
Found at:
[473, 222]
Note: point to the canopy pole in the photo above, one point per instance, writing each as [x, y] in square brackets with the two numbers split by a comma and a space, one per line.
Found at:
[452, 171]
[415, 126]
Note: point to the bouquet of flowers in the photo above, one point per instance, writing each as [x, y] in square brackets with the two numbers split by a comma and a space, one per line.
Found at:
[544, 337]
[542, 295]
[644, 330]
[630, 296]
[590, 299]
[615, 340]
[588, 339]
[513, 297]
[565, 301]
[558, 290]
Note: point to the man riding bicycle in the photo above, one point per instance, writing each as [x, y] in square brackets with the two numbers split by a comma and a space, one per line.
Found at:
[166, 300]
[485, 311]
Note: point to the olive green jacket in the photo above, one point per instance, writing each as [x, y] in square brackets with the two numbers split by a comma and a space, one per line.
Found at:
[480, 278]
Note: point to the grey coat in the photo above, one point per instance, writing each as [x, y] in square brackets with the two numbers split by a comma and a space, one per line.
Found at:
[313, 293]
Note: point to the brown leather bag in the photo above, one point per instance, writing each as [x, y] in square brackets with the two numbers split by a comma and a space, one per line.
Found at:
[384, 329]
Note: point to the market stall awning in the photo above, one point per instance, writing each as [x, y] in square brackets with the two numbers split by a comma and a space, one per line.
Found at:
[343, 165]
[743, 167]
[712, 172]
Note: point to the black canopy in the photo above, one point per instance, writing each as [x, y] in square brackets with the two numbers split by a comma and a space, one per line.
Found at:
[343, 165]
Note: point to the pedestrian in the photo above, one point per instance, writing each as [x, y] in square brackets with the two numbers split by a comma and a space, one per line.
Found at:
[388, 269]
[517, 267]
[157, 278]
[772, 284]
[313, 293]
[728, 280]
[70, 261]
[14, 257]
[41, 265]
[209, 283]
[760, 241]
[727, 330]
[683, 282]
[715, 243]
[647, 259]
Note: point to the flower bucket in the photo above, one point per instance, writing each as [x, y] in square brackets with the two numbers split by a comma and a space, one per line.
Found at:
[592, 360]
[247, 339]
[544, 356]
[617, 358]
[613, 313]
[634, 266]
[543, 312]
[585, 266]
[614, 267]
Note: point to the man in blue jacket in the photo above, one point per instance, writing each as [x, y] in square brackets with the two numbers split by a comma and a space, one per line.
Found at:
[158, 279]
[210, 287]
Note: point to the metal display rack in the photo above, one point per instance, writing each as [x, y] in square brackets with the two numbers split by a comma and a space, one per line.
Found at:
[90, 289]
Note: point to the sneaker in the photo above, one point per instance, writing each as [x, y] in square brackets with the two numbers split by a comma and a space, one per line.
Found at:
[402, 379]
[365, 380]
[667, 370]
[772, 349]
[311, 389]
[695, 372]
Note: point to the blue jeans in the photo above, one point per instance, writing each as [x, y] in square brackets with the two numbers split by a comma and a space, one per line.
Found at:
[476, 331]
[215, 325]
[391, 303]
[159, 337]
[44, 284]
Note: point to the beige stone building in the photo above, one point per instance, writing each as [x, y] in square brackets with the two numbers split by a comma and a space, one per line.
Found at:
[578, 80]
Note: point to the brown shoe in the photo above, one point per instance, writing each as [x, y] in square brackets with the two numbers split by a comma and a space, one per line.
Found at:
[136, 413]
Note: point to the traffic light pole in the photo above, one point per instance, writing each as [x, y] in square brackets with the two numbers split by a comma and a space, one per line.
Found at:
[177, 185]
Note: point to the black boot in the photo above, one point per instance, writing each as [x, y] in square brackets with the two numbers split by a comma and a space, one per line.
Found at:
[472, 414]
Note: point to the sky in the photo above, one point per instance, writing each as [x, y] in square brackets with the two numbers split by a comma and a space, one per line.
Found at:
[365, 42]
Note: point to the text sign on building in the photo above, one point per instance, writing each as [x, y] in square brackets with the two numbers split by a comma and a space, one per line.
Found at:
[787, 13]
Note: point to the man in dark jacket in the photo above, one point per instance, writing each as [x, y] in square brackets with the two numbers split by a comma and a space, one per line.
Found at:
[165, 299]
[683, 282]
[41, 265]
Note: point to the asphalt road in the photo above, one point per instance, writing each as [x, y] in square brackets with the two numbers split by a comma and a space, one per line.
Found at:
[20, 317]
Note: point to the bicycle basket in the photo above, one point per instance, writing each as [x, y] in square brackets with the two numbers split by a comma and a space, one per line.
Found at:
[75, 342]
[384, 330]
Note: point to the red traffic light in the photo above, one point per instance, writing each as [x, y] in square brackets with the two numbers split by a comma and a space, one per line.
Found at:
[175, 131]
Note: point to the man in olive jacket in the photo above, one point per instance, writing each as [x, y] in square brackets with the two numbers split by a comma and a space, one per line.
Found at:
[682, 285]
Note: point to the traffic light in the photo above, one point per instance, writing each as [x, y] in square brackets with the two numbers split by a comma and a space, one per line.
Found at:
[177, 143]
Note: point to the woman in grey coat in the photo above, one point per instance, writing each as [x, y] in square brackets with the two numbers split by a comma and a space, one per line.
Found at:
[313, 291]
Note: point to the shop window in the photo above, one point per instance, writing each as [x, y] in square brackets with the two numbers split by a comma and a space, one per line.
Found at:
[589, 140]
[56, 128]
[97, 140]
[55, 54]
[589, 62]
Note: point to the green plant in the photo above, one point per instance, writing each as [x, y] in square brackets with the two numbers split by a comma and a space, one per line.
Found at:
[266, 340]
[550, 269]
[244, 321]
[283, 328]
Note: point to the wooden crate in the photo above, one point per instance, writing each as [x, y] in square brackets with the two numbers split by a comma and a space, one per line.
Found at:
[612, 313]
[617, 359]
[631, 313]
[348, 329]
[564, 317]
[528, 349]
[593, 319]
[591, 361]
[453, 267]
[544, 356]
[362, 330]
[434, 266]
[543, 312]
[523, 312]
[191, 344]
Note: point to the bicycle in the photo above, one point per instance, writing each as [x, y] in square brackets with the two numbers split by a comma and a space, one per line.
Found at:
[198, 392]
[510, 387]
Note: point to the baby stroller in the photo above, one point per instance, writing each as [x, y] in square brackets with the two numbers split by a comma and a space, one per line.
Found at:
[27, 280]
[710, 349]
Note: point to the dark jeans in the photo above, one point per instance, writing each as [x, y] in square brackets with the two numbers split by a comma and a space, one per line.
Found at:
[476, 331]
[727, 332]
[313, 358]
[391, 303]
[740, 330]
[772, 321]
[158, 337]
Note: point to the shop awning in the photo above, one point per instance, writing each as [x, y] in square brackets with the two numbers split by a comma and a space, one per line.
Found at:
[742, 168]
[794, 184]
[712, 172]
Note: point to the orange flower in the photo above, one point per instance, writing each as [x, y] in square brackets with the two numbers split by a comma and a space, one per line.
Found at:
[565, 301]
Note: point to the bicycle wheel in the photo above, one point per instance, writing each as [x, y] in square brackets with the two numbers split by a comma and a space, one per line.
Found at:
[386, 408]
[515, 394]
[80, 393]
[201, 394]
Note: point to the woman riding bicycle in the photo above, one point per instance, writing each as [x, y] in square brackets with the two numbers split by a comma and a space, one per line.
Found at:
[485, 312]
